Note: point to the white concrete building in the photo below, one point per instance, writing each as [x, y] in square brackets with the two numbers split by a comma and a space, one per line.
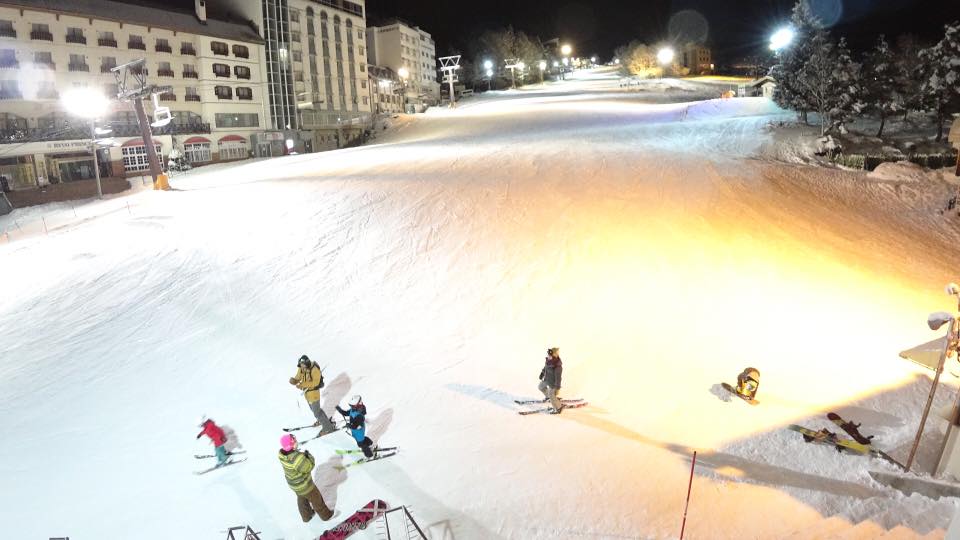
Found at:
[398, 46]
[48, 46]
[316, 68]
[386, 90]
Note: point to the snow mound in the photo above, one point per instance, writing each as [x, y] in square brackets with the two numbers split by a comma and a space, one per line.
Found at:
[901, 171]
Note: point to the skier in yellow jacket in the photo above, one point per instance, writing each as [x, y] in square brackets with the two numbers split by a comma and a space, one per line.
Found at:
[310, 380]
[297, 467]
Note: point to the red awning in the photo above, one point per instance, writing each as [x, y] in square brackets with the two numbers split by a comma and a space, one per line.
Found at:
[230, 138]
[196, 140]
[134, 142]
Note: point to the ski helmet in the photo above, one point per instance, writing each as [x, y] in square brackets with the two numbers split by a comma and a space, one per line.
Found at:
[553, 350]
[202, 420]
[355, 400]
[303, 360]
[288, 442]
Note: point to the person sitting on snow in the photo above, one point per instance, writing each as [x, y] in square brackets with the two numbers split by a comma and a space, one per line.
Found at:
[356, 421]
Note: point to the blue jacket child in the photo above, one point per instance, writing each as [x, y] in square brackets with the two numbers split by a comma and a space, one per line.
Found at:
[356, 421]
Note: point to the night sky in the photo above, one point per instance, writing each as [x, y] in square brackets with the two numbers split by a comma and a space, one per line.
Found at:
[733, 28]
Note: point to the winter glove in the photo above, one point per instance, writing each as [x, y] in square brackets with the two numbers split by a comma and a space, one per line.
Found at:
[293, 381]
[542, 373]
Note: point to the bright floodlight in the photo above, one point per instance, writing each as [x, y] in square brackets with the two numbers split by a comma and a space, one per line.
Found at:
[616, 60]
[489, 73]
[566, 50]
[566, 61]
[665, 56]
[521, 65]
[403, 73]
[85, 102]
[781, 38]
[487, 64]
[556, 64]
[543, 65]
[593, 59]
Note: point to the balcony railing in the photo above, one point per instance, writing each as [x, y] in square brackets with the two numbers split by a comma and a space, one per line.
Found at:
[247, 97]
[73, 38]
[189, 75]
[11, 94]
[183, 129]
[8, 32]
[64, 133]
[37, 34]
[191, 97]
[9, 64]
[47, 93]
[105, 68]
[168, 97]
[188, 49]
[106, 42]
[137, 45]
[164, 73]
[163, 48]
[78, 67]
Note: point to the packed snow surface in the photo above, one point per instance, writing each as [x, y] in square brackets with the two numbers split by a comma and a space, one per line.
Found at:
[636, 230]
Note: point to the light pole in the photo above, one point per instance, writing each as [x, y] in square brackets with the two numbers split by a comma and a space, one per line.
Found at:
[565, 50]
[488, 66]
[88, 103]
[404, 73]
[665, 57]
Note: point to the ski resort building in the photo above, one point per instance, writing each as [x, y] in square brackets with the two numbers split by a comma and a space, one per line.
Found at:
[409, 51]
[218, 101]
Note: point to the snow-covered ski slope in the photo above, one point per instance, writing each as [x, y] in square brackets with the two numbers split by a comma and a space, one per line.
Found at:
[429, 272]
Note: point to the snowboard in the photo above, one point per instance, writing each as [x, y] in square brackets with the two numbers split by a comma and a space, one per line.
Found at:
[826, 437]
[204, 456]
[852, 429]
[546, 410]
[357, 522]
[733, 391]
[227, 464]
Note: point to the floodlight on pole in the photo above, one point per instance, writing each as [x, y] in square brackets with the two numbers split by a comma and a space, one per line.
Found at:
[665, 55]
[593, 59]
[403, 73]
[566, 50]
[781, 38]
[487, 65]
[88, 103]
[616, 61]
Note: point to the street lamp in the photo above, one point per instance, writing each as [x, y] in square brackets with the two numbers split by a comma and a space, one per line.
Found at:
[489, 79]
[88, 103]
[665, 56]
[593, 59]
[542, 66]
[781, 38]
[404, 73]
[487, 65]
[565, 50]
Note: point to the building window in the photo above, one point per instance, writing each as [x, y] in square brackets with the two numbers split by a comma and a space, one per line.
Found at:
[244, 93]
[75, 35]
[294, 38]
[197, 152]
[223, 92]
[8, 58]
[234, 120]
[43, 59]
[242, 72]
[41, 31]
[135, 158]
[219, 48]
[164, 70]
[189, 71]
[187, 48]
[295, 15]
[107, 63]
[10, 90]
[297, 56]
[111, 90]
[163, 46]
[221, 70]
[191, 94]
[365, 100]
[105, 39]
[232, 150]
[363, 84]
[136, 42]
[78, 62]
[241, 51]
[363, 68]
[6, 29]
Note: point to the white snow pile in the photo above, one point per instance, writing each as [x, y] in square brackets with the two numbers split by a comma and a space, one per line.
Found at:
[429, 273]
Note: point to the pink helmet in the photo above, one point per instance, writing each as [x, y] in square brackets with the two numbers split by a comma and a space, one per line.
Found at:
[288, 442]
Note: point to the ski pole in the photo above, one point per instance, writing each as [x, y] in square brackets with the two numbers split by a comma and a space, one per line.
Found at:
[689, 486]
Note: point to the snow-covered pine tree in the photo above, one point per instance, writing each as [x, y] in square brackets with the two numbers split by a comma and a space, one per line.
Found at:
[846, 100]
[908, 79]
[816, 77]
[940, 68]
[880, 83]
[790, 92]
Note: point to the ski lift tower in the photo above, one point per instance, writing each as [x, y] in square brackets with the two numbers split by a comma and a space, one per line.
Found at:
[449, 65]
[132, 86]
[512, 64]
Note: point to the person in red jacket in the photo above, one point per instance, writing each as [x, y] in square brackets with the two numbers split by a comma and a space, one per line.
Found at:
[219, 438]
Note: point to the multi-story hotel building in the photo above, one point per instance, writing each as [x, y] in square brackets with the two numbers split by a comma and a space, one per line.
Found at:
[316, 68]
[218, 103]
[400, 46]
[386, 89]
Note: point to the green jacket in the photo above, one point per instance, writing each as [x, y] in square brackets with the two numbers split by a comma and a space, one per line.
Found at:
[297, 467]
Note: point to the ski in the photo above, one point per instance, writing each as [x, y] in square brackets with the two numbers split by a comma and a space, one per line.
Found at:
[298, 428]
[204, 456]
[361, 461]
[547, 410]
[317, 436]
[829, 438]
[733, 391]
[358, 451]
[215, 467]
[852, 429]
[535, 401]
[356, 522]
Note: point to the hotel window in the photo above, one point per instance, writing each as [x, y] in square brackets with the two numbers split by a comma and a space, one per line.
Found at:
[223, 92]
[135, 158]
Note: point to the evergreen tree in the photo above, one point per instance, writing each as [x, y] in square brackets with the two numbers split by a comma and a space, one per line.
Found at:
[790, 92]
[847, 88]
[816, 77]
[940, 68]
[908, 78]
[880, 83]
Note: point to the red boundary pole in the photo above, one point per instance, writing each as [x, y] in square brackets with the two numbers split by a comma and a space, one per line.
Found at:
[689, 487]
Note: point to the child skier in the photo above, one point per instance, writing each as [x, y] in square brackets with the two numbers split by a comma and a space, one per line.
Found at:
[550, 378]
[356, 421]
[297, 468]
[310, 380]
[217, 436]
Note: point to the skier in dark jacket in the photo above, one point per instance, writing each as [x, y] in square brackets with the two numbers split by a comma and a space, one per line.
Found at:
[550, 379]
[356, 421]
